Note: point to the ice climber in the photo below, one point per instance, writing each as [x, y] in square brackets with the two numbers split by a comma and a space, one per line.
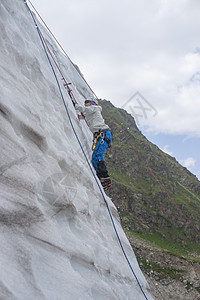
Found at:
[102, 138]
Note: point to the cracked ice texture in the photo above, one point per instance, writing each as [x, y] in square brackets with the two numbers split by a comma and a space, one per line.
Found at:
[57, 240]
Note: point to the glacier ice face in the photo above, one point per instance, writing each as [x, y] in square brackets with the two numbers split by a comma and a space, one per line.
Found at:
[57, 239]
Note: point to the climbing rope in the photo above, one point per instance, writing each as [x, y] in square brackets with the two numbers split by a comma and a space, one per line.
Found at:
[72, 126]
[121, 131]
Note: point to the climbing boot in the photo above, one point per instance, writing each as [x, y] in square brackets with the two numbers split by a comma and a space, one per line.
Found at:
[102, 174]
[106, 183]
[101, 170]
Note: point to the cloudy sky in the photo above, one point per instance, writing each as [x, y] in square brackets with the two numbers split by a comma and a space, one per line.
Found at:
[143, 55]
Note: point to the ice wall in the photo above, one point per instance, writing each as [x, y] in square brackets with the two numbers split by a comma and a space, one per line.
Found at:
[57, 239]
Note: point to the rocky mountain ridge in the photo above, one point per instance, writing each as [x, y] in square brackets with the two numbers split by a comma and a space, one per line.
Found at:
[151, 220]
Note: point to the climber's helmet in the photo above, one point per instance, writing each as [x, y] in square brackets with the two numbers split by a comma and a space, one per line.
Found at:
[87, 101]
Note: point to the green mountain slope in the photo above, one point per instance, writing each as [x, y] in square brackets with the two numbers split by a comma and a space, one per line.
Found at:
[145, 209]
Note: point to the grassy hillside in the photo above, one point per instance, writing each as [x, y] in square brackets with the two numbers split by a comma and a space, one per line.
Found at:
[145, 209]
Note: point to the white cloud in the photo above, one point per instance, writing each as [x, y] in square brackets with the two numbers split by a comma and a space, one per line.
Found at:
[166, 150]
[140, 45]
[188, 162]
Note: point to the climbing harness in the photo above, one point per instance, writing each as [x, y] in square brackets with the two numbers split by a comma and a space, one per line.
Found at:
[97, 135]
[95, 140]
[78, 140]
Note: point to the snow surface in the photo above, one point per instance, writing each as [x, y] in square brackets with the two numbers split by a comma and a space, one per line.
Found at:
[57, 239]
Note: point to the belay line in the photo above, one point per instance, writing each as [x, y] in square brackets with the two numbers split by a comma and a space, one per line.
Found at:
[70, 120]
[121, 131]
